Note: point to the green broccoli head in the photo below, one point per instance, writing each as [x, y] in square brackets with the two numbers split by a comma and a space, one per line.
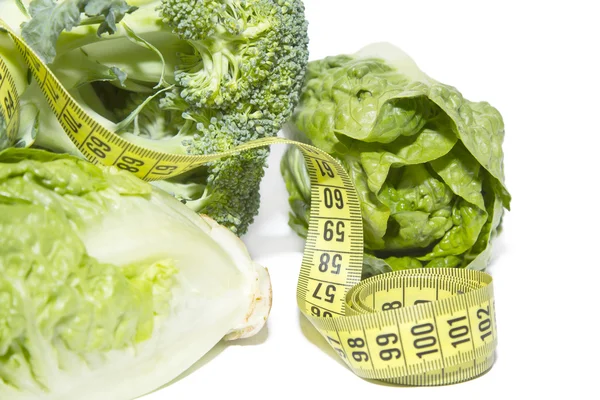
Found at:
[210, 75]
[243, 51]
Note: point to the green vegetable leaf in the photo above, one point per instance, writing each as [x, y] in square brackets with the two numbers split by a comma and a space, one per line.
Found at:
[75, 69]
[85, 304]
[401, 117]
[420, 207]
[319, 118]
[51, 17]
[445, 262]
[375, 213]
[103, 278]
[374, 266]
[460, 171]
[468, 221]
[401, 263]
[297, 182]
[428, 145]
[134, 38]
[480, 254]
[479, 126]
[112, 11]
[427, 163]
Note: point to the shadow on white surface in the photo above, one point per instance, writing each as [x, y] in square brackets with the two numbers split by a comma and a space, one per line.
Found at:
[313, 336]
[208, 357]
[267, 245]
[260, 338]
[257, 339]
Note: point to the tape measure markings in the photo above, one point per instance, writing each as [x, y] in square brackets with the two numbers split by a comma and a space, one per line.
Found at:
[413, 327]
[9, 106]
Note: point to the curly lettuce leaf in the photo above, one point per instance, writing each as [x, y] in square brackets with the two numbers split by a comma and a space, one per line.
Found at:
[479, 126]
[428, 145]
[480, 254]
[375, 213]
[297, 182]
[400, 263]
[427, 163]
[467, 223]
[420, 207]
[460, 171]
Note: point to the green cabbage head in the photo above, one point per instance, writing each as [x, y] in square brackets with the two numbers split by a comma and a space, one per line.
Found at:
[110, 288]
[426, 162]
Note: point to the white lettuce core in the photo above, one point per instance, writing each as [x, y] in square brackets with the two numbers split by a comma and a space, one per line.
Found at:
[215, 295]
[110, 288]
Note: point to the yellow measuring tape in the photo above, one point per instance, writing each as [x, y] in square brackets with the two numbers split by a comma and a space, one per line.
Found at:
[415, 327]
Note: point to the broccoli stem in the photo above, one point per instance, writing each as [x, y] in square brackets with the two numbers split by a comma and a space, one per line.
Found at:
[143, 21]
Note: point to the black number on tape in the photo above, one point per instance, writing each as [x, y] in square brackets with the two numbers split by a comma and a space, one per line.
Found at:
[316, 311]
[164, 170]
[325, 169]
[384, 340]
[130, 164]
[360, 356]
[485, 326]
[335, 263]
[458, 332]
[422, 329]
[332, 198]
[52, 91]
[391, 305]
[328, 231]
[388, 354]
[98, 147]
[336, 346]
[9, 105]
[356, 342]
[329, 293]
[425, 341]
[70, 121]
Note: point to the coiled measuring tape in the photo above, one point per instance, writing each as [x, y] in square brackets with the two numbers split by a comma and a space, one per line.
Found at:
[414, 327]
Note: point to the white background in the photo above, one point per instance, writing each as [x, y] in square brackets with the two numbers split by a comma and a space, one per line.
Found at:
[537, 63]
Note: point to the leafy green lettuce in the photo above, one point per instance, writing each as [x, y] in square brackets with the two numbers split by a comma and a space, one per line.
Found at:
[109, 288]
[427, 163]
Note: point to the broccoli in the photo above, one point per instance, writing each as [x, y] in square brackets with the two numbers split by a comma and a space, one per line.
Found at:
[180, 76]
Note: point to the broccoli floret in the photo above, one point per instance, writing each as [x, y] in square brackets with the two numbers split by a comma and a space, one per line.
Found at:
[249, 65]
[219, 73]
